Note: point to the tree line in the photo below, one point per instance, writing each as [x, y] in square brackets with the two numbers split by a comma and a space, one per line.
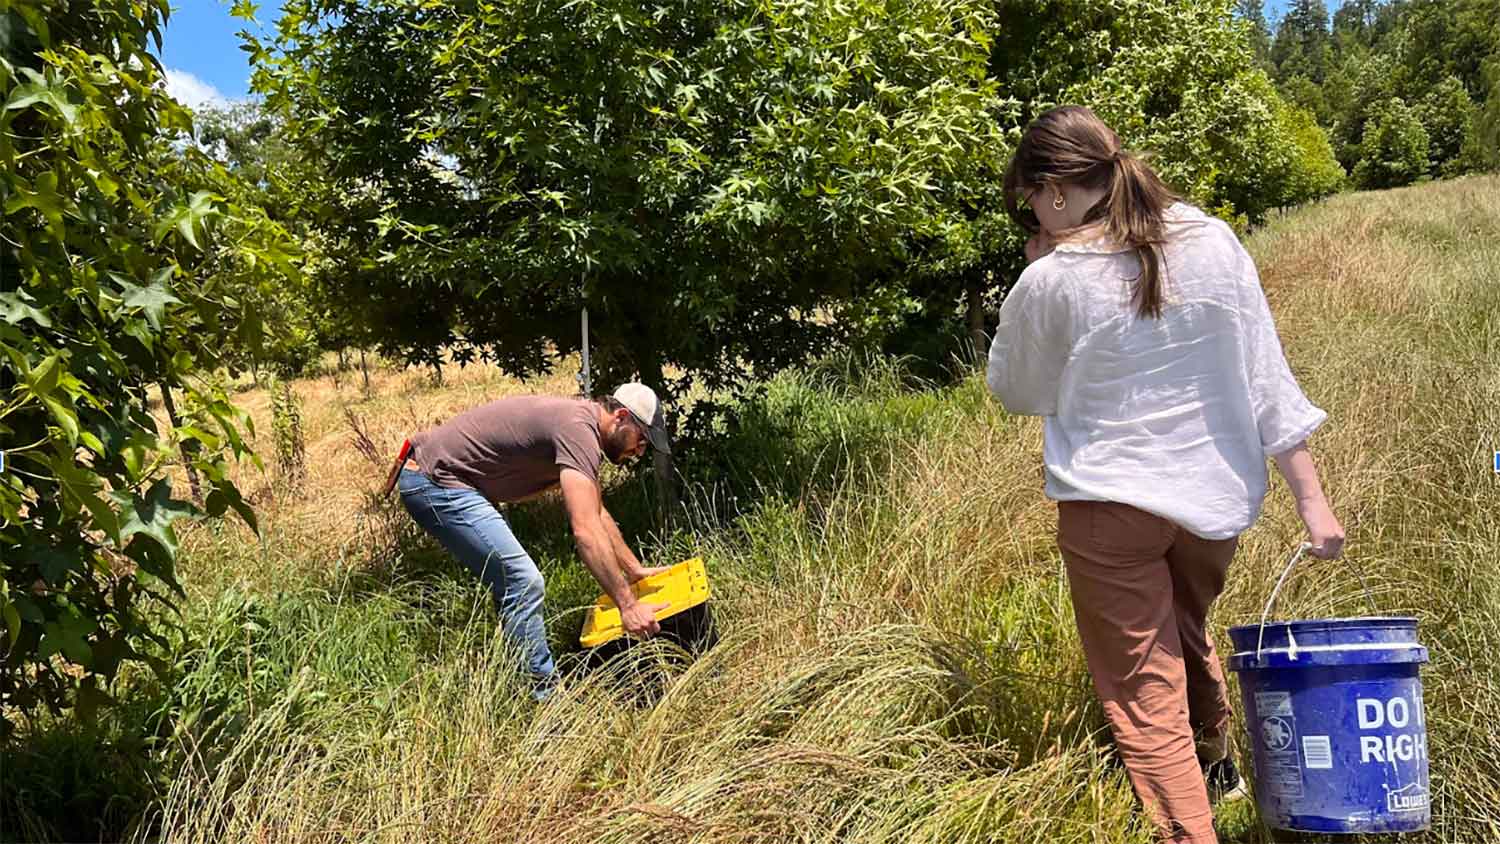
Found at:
[1405, 89]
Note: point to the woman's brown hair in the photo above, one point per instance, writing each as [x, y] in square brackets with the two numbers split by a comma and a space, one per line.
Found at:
[1070, 145]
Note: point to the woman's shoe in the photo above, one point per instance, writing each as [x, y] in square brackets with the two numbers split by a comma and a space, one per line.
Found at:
[1224, 782]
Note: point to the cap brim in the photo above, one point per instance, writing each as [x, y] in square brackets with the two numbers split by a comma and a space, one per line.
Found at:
[655, 434]
[658, 439]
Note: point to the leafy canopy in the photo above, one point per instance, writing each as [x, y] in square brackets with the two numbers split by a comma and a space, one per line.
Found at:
[122, 267]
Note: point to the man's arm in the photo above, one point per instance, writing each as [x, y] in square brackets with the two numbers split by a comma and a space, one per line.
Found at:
[629, 563]
[581, 497]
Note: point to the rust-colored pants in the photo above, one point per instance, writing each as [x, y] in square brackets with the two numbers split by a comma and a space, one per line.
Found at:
[1141, 590]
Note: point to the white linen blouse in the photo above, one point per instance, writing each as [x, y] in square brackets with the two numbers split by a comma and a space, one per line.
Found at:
[1175, 416]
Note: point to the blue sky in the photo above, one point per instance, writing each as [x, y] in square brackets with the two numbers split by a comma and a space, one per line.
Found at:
[1274, 8]
[205, 64]
[202, 56]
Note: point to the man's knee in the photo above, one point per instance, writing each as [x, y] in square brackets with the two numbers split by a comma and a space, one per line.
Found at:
[527, 588]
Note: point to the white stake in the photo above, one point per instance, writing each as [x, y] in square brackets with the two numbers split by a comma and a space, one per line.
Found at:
[583, 376]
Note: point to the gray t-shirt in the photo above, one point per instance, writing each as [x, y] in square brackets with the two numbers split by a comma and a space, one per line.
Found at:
[512, 448]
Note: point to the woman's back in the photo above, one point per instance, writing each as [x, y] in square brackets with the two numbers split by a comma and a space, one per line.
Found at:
[1151, 352]
[1173, 414]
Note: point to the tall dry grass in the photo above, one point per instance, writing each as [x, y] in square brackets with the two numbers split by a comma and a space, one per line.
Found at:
[899, 661]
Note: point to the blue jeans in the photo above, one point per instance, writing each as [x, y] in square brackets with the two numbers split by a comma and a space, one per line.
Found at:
[474, 531]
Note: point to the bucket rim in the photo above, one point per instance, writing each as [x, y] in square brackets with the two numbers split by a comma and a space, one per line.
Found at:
[1358, 621]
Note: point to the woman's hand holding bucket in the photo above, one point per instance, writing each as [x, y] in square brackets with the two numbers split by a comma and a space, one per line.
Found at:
[1324, 532]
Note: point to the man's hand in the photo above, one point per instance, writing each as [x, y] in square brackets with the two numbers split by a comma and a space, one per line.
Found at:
[1039, 246]
[642, 572]
[639, 620]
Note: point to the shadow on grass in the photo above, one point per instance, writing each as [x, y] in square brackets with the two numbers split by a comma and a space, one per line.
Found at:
[72, 780]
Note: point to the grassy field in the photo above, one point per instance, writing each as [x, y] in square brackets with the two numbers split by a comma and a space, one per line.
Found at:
[898, 659]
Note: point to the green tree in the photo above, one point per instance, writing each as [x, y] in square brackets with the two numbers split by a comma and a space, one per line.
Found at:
[121, 265]
[267, 173]
[1432, 54]
[1312, 171]
[1307, 94]
[713, 180]
[1258, 30]
[1459, 40]
[1394, 149]
[1448, 115]
[1301, 46]
[1357, 24]
[1485, 141]
[1377, 78]
[1177, 80]
[251, 143]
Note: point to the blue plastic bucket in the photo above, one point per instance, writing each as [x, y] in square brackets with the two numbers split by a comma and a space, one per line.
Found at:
[1334, 711]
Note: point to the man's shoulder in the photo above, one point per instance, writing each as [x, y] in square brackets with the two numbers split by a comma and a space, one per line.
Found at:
[568, 414]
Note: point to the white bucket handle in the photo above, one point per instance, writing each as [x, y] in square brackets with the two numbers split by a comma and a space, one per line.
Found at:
[1266, 611]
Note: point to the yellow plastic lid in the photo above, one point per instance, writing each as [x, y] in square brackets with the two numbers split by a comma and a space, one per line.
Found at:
[680, 587]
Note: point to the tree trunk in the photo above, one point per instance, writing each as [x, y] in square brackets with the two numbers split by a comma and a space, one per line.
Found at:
[975, 293]
[187, 454]
[365, 369]
[667, 491]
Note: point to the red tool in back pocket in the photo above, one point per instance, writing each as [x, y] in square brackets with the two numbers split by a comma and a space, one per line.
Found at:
[390, 479]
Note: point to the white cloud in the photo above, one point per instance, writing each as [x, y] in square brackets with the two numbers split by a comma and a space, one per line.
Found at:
[192, 91]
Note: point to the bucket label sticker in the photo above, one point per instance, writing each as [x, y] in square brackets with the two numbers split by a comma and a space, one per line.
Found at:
[1412, 798]
[1391, 730]
[1277, 733]
[1273, 703]
[1278, 736]
[1317, 753]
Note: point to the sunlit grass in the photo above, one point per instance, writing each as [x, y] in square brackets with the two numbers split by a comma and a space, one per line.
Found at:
[899, 661]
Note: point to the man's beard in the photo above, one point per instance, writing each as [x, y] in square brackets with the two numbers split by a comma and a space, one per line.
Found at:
[614, 445]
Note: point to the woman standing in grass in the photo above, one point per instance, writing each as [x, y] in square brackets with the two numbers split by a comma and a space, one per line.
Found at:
[1140, 331]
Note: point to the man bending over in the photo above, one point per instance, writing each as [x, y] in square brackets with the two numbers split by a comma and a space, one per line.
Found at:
[514, 449]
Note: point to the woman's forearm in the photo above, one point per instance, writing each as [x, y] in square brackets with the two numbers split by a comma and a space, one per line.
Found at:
[1301, 474]
[1325, 535]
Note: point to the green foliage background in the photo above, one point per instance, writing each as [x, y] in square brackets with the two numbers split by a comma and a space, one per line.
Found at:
[123, 269]
[1406, 89]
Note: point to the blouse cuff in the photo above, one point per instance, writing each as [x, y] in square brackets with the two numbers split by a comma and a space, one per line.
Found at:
[1311, 421]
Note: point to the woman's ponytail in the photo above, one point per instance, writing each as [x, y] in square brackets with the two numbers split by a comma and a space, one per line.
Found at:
[1135, 216]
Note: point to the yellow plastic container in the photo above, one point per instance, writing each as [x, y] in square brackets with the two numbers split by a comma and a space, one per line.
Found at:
[680, 587]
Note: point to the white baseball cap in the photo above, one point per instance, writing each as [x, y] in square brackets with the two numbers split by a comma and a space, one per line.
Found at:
[641, 401]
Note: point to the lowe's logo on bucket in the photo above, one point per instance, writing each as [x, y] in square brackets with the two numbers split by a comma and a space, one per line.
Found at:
[1412, 798]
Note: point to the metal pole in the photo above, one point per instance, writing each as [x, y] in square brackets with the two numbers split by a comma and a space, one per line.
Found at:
[583, 377]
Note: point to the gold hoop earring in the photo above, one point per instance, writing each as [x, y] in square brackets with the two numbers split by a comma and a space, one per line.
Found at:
[1059, 203]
